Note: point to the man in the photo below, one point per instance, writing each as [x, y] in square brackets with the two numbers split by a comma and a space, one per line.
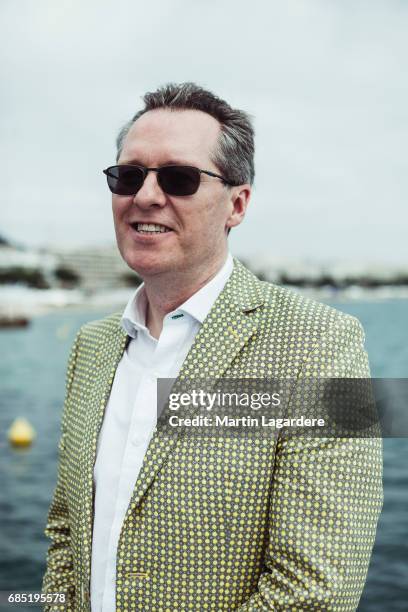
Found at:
[142, 520]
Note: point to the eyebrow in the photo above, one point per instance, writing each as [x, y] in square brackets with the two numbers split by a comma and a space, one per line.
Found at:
[170, 162]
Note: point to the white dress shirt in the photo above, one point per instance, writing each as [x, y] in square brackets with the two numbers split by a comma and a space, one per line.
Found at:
[131, 416]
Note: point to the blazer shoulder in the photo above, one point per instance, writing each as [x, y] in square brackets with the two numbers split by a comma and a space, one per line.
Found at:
[304, 312]
[101, 328]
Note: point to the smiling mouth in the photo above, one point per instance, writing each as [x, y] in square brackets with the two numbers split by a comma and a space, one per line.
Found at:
[150, 228]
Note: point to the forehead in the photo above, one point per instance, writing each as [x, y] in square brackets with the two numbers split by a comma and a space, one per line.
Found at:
[161, 136]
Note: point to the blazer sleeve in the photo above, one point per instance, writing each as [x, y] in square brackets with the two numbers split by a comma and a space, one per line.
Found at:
[59, 574]
[326, 499]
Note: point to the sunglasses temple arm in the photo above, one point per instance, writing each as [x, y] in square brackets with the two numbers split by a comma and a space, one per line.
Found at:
[216, 176]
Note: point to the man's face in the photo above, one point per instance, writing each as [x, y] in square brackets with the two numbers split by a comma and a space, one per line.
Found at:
[198, 222]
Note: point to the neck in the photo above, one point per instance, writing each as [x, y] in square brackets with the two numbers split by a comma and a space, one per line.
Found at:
[168, 292]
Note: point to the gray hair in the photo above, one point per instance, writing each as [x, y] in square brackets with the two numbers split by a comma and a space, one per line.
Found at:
[234, 153]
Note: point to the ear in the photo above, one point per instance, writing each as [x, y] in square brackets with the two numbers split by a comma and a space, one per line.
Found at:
[239, 200]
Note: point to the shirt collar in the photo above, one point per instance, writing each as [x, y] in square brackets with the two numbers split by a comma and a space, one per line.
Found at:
[197, 306]
[201, 302]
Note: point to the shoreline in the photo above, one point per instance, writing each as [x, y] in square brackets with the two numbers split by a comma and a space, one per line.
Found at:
[20, 301]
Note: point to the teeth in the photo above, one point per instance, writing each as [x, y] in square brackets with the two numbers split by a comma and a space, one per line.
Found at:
[150, 227]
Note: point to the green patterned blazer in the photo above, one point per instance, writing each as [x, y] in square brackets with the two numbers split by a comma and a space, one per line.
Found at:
[225, 524]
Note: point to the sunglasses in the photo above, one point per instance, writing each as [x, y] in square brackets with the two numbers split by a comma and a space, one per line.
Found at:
[127, 179]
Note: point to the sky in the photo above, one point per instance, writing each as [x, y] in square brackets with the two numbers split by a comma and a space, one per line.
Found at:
[325, 82]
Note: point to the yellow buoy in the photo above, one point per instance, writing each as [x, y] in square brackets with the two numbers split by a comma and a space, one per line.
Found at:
[21, 433]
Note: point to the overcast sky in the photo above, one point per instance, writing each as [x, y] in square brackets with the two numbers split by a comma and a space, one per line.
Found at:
[326, 83]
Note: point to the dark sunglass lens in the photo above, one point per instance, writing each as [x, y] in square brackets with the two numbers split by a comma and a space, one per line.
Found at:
[179, 180]
[125, 180]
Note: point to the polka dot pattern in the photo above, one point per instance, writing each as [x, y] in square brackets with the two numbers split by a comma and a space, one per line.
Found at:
[225, 523]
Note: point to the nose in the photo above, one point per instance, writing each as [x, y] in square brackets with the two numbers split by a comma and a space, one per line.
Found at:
[150, 193]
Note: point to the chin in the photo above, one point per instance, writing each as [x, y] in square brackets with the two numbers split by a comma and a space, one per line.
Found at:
[146, 266]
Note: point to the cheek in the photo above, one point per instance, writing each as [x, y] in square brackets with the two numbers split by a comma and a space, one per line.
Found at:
[206, 214]
[215, 218]
[120, 205]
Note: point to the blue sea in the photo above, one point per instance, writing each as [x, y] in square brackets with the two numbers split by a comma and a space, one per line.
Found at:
[32, 383]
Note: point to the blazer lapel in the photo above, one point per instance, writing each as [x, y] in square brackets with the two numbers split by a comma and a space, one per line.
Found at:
[229, 325]
[108, 355]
